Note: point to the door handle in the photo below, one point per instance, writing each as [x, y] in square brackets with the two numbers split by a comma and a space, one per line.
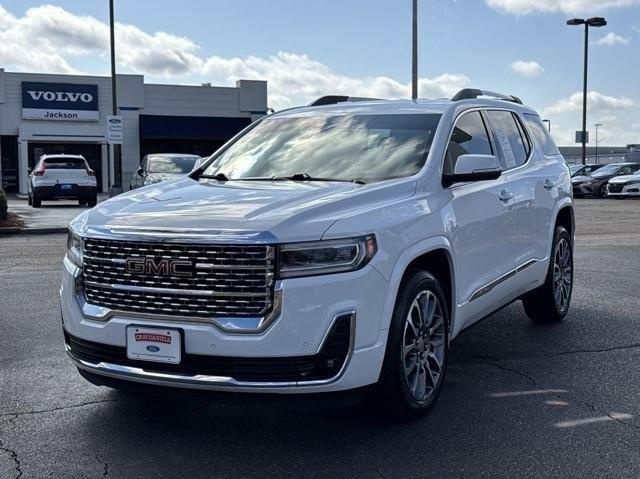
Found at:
[548, 184]
[505, 196]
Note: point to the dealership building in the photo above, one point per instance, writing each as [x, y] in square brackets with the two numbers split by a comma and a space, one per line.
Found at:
[43, 113]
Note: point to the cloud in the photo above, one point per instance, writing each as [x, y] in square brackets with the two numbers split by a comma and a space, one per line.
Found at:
[525, 7]
[528, 69]
[596, 102]
[51, 39]
[611, 39]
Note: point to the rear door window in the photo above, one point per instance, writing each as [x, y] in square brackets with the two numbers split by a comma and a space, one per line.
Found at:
[512, 142]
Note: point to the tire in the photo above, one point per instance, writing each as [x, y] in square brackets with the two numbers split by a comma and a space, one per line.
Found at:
[82, 201]
[30, 200]
[36, 202]
[414, 367]
[548, 304]
[92, 200]
[602, 191]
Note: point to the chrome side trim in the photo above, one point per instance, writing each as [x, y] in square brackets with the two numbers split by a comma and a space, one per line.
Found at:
[213, 382]
[492, 284]
[189, 292]
[235, 325]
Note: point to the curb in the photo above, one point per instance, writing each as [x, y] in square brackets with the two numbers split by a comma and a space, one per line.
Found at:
[32, 231]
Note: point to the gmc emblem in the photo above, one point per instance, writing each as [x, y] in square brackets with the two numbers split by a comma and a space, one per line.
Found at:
[160, 267]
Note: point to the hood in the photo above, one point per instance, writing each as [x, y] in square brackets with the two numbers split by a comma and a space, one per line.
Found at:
[625, 178]
[252, 211]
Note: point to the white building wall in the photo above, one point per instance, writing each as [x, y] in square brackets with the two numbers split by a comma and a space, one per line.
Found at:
[247, 99]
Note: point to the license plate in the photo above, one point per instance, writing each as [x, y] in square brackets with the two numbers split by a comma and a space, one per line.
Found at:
[66, 187]
[154, 344]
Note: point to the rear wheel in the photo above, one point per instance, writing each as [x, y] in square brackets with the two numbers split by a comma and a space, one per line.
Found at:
[30, 200]
[36, 202]
[82, 201]
[550, 302]
[416, 356]
[92, 200]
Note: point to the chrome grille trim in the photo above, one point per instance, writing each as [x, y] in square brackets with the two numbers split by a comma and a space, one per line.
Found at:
[228, 280]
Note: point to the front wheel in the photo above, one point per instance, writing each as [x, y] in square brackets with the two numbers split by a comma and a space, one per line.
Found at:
[603, 192]
[550, 302]
[416, 356]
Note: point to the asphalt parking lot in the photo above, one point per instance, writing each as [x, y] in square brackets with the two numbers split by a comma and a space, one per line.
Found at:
[520, 400]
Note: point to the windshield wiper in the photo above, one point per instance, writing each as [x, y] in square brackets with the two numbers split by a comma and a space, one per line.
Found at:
[217, 176]
[307, 177]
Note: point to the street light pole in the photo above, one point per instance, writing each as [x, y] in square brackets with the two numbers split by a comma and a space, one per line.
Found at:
[117, 156]
[591, 22]
[414, 52]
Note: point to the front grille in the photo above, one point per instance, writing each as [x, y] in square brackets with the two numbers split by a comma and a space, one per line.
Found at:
[324, 365]
[210, 280]
[615, 187]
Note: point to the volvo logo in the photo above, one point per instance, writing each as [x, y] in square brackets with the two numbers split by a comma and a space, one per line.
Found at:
[159, 266]
[60, 96]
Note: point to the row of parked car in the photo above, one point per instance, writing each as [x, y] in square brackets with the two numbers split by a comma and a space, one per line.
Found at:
[615, 180]
[62, 176]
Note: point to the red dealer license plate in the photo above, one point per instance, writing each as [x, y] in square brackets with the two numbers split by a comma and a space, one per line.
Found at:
[154, 344]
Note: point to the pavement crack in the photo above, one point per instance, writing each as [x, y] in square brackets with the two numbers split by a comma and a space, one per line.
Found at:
[105, 465]
[14, 458]
[15, 415]
[603, 350]
[515, 371]
[610, 415]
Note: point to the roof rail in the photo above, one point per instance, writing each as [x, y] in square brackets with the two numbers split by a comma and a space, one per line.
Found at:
[333, 99]
[471, 93]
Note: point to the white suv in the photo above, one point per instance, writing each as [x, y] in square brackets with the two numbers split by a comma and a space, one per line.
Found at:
[62, 176]
[326, 248]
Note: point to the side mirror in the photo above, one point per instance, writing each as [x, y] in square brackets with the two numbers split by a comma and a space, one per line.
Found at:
[474, 168]
[140, 171]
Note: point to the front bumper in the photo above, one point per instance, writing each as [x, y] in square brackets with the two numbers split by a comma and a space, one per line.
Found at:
[309, 309]
[583, 190]
[632, 189]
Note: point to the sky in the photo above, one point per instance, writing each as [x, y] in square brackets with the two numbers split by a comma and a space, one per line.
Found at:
[308, 49]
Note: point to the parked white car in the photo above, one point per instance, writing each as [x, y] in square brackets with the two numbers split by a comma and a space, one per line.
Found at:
[624, 186]
[162, 167]
[62, 176]
[326, 248]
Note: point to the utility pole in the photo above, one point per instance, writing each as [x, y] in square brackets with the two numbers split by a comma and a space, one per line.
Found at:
[116, 188]
[414, 53]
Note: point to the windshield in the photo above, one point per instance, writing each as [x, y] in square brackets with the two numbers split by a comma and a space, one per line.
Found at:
[606, 170]
[573, 169]
[171, 164]
[341, 147]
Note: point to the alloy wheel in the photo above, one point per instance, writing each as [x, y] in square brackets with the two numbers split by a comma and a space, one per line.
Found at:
[423, 345]
[562, 274]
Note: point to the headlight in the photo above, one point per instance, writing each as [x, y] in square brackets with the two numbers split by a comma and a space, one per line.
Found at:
[74, 248]
[634, 183]
[325, 257]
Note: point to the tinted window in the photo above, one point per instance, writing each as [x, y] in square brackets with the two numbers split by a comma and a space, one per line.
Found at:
[64, 163]
[170, 164]
[343, 147]
[541, 135]
[512, 146]
[469, 137]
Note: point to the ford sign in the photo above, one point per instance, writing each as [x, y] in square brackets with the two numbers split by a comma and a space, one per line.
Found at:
[59, 101]
[153, 349]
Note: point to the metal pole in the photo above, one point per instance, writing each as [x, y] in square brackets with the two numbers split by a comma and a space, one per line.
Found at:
[414, 53]
[117, 157]
[584, 95]
[597, 125]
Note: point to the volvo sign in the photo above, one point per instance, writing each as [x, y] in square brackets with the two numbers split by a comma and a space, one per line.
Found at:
[59, 101]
